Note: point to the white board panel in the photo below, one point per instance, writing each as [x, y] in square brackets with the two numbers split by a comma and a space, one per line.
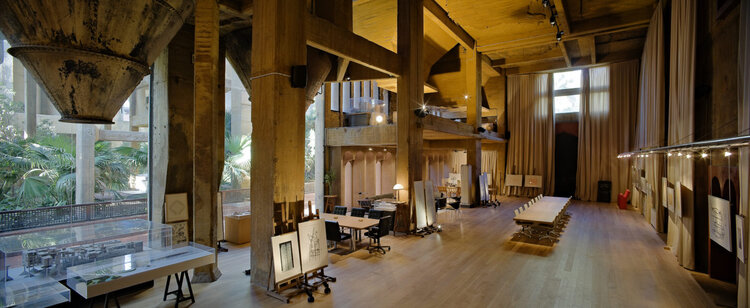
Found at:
[670, 199]
[514, 180]
[719, 223]
[481, 187]
[312, 245]
[419, 204]
[534, 181]
[664, 187]
[429, 195]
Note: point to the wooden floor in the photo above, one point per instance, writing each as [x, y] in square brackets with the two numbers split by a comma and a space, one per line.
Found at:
[606, 258]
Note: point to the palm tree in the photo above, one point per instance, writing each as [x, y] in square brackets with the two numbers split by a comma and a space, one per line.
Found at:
[236, 161]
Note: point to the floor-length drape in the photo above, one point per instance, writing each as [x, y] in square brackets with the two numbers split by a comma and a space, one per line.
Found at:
[743, 118]
[531, 124]
[605, 129]
[681, 124]
[651, 119]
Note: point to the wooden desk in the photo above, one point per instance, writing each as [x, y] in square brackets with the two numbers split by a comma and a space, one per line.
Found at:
[353, 223]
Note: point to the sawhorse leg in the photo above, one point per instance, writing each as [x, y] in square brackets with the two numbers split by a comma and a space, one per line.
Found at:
[179, 296]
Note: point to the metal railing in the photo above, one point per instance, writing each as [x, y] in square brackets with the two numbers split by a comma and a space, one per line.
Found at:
[67, 214]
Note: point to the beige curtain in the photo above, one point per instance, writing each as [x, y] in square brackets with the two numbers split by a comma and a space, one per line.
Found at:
[743, 102]
[681, 124]
[531, 123]
[651, 118]
[606, 128]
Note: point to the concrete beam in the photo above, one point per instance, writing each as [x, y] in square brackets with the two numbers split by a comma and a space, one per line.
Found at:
[378, 135]
[125, 136]
[85, 168]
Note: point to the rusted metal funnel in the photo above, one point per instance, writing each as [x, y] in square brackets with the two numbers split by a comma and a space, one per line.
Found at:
[90, 55]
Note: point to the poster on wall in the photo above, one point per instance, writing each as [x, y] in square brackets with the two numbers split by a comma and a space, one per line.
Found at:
[313, 245]
[664, 187]
[454, 179]
[719, 223]
[740, 228]
[670, 198]
[286, 263]
[678, 199]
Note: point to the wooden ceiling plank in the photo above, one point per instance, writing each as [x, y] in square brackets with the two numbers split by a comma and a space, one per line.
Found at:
[547, 66]
[621, 21]
[326, 36]
[440, 17]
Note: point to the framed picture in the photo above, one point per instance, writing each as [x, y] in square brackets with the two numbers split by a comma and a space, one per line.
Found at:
[670, 198]
[312, 245]
[179, 232]
[664, 187]
[534, 181]
[740, 229]
[514, 180]
[678, 199]
[175, 207]
[719, 224]
[286, 263]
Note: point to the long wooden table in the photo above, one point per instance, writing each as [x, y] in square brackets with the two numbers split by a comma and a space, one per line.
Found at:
[544, 211]
[351, 222]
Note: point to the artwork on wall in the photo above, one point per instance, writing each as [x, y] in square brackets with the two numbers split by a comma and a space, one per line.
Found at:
[534, 181]
[286, 263]
[670, 199]
[312, 245]
[740, 229]
[175, 207]
[514, 180]
[179, 232]
[429, 196]
[678, 199]
[720, 225]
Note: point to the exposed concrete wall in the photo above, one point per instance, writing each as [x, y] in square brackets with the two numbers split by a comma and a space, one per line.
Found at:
[160, 132]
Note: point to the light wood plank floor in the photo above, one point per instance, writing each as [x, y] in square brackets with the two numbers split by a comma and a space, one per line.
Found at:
[606, 258]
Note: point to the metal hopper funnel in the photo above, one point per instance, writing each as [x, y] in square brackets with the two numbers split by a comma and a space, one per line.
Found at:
[89, 55]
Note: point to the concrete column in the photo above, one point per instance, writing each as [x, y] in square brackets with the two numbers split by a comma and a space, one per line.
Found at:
[30, 106]
[474, 118]
[85, 155]
[19, 81]
[159, 151]
[208, 127]
[237, 105]
[320, 133]
[278, 43]
[410, 95]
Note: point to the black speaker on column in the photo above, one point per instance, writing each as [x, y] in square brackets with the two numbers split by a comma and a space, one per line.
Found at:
[604, 192]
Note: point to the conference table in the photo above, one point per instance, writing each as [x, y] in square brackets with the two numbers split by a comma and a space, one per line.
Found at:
[543, 212]
[351, 222]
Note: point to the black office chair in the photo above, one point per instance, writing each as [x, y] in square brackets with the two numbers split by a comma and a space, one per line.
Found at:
[334, 234]
[339, 210]
[375, 235]
[375, 214]
[358, 212]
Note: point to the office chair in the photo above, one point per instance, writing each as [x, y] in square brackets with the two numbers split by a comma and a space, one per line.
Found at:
[339, 210]
[375, 235]
[358, 212]
[374, 214]
[333, 233]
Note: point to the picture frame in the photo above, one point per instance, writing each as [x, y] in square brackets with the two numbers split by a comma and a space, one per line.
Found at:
[740, 237]
[533, 181]
[286, 257]
[670, 199]
[179, 232]
[312, 245]
[664, 187]
[175, 207]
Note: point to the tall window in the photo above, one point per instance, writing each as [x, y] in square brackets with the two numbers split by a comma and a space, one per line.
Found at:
[567, 87]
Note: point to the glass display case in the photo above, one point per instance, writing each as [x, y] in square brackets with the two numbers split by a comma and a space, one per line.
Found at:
[104, 276]
[35, 262]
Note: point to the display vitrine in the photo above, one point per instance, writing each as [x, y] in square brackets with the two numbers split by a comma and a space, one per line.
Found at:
[33, 263]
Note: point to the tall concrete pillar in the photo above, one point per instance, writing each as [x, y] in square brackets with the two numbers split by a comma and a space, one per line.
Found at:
[19, 81]
[30, 106]
[320, 133]
[159, 150]
[85, 155]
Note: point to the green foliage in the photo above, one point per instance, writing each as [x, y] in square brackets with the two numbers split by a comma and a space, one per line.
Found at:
[236, 161]
[7, 109]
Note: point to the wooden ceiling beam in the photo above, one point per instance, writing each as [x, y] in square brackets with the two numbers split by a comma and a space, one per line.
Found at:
[326, 36]
[587, 45]
[546, 66]
[562, 18]
[550, 55]
[237, 8]
[437, 14]
[564, 51]
[624, 21]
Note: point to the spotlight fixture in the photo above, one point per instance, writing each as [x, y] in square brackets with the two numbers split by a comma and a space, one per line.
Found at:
[727, 153]
[552, 20]
[688, 156]
[466, 96]
[669, 154]
[704, 155]
[545, 3]
[370, 149]
[379, 119]
[679, 153]
[559, 35]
